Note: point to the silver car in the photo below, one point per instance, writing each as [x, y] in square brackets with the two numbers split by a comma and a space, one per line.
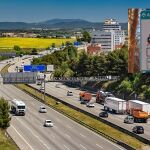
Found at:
[48, 123]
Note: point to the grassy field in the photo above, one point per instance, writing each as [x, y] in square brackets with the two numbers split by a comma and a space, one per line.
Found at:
[6, 143]
[8, 43]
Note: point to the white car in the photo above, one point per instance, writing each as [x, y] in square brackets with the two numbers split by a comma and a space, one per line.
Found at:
[90, 105]
[41, 88]
[42, 109]
[69, 93]
[48, 123]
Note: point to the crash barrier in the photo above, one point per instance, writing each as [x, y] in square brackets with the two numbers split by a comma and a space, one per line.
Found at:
[78, 79]
[87, 113]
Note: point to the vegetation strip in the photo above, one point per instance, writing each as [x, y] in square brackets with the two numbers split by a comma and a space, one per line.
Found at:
[6, 142]
[85, 120]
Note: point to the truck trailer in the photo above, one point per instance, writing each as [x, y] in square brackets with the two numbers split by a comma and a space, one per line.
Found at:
[115, 105]
[136, 104]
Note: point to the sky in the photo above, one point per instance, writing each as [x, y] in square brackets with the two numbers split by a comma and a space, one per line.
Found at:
[90, 10]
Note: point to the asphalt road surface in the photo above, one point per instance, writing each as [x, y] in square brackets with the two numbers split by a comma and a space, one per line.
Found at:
[30, 134]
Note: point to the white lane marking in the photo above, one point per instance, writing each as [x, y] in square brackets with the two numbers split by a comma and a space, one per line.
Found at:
[66, 147]
[22, 137]
[68, 135]
[82, 146]
[34, 134]
[82, 135]
[99, 146]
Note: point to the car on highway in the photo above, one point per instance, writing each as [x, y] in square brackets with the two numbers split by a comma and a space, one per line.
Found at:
[69, 93]
[138, 130]
[103, 114]
[57, 85]
[41, 88]
[90, 105]
[42, 109]
[129, 119]
[48, 123]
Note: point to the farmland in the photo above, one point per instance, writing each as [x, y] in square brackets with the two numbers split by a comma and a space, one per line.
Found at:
[39, 43]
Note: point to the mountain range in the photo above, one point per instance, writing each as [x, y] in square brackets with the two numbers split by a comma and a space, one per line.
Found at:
[55, 23]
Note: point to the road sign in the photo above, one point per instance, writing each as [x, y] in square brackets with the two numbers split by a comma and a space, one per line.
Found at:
[145, 41]
[50, 67]
[35, 68]
[20, 77]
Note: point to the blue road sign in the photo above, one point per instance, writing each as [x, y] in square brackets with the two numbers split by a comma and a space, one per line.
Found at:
[35, 68]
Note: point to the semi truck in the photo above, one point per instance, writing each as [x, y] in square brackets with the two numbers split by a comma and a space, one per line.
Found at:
[136, 104]
[101, 95]
[115, 105]
[18, 107]
[85, 97]
[139, 110]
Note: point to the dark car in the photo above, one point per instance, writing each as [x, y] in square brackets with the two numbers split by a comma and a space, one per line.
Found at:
[103, 114]
[138, 129]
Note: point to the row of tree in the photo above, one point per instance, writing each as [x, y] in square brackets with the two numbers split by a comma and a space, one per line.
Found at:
[69, 62]
[4, 113]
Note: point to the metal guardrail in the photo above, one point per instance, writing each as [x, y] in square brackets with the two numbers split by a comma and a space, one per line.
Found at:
[78, 79]
[87, 113]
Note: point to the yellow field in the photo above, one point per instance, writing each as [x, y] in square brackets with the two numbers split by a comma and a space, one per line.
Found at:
[30, 42]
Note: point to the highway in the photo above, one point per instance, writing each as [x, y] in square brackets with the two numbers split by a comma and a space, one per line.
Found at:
[30, 134]
[74, 100]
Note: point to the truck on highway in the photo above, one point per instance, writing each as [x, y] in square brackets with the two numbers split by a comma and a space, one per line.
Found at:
[101, 95]
[85, 97]
[139, 110]
[136, 104]
[18, 107]
[115, 105]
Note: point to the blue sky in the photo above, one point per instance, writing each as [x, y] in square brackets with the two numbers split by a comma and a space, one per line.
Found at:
[91, 10]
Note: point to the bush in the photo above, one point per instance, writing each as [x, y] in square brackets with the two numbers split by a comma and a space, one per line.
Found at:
[4, 113]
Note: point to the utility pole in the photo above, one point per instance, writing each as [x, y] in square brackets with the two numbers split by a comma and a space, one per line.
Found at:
[44, 86]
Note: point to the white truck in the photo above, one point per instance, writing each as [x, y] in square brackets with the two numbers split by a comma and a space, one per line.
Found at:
[18, 107]
[136, 104]
[115, 105]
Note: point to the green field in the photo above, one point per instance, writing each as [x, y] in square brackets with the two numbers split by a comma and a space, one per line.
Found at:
[6, 143]
[39, 43]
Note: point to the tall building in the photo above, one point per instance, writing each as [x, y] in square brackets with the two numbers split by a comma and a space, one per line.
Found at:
[106, 39]
[111, 37]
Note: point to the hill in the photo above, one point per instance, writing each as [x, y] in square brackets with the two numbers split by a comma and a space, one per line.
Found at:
[55, 23]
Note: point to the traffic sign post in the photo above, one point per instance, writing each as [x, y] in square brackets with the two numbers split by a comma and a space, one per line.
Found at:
[35, 68]
[145, 41]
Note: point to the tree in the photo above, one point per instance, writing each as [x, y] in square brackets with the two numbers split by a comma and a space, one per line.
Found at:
[17, 48]
[86, 37]
[53, 45]
[4, 113]
[34, 51]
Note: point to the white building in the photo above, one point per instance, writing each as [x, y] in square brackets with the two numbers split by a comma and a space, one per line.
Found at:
[111, 37]
[111, 24]
[106, 39]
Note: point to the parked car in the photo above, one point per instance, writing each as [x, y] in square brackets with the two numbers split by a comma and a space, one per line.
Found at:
[103, 114]
[69, 93]
[48, 123]
[42, 109]
[90, 105]
[138, 130]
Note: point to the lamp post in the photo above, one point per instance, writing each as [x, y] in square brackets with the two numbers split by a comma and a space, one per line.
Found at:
[44, 85]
